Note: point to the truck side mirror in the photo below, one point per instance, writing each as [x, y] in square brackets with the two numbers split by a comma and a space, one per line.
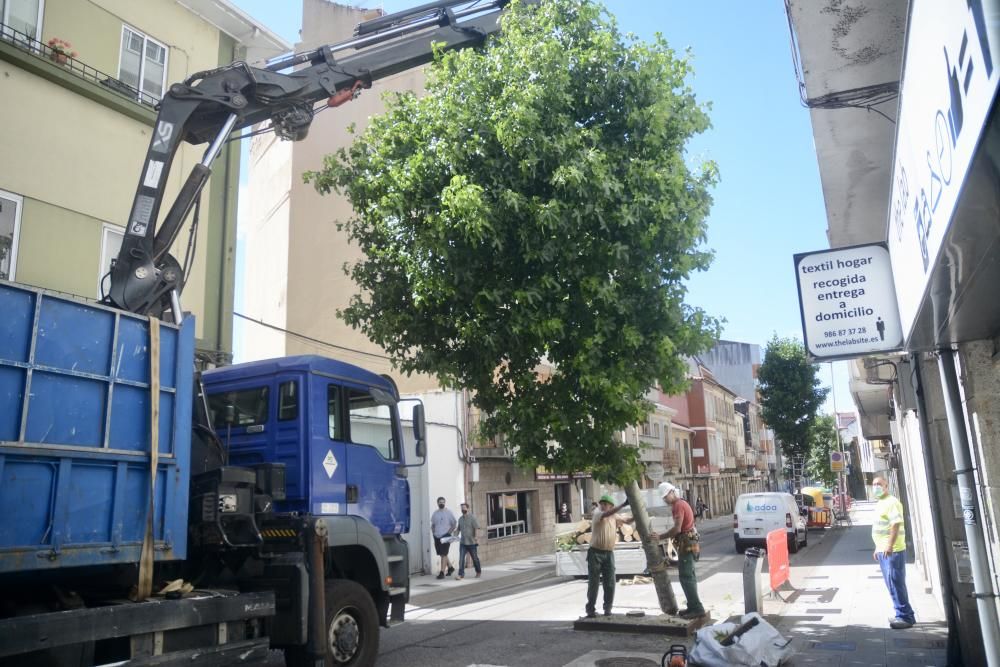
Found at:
[420, 430]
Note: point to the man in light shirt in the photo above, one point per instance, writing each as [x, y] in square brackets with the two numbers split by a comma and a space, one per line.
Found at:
[443, 524]
[601, 555]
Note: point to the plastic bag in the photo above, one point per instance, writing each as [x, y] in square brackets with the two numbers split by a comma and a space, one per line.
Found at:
[761, 645]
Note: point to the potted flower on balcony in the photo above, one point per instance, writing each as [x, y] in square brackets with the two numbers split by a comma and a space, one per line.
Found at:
[60, 51]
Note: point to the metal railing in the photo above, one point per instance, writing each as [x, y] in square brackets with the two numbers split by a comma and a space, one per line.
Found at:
[500, 530]
[76, 67]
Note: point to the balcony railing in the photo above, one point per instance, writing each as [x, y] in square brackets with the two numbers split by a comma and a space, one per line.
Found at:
[76, 67]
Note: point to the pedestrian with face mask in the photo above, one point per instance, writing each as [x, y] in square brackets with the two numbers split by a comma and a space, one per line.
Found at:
[468, 544]
[889, 536]
[443, 524]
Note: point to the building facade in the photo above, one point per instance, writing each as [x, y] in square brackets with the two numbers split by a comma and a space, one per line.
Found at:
[902, 99]
[80, 82]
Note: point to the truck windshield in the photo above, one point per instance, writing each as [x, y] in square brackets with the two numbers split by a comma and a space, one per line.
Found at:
[247, 407]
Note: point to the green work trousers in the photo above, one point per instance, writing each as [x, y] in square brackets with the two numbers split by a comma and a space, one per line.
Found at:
[689, 582]
[600, 569]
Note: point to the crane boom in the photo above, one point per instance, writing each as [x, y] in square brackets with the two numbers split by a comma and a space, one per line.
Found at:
[210, 105]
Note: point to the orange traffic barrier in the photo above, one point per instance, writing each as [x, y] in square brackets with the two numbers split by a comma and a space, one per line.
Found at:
[777, 557]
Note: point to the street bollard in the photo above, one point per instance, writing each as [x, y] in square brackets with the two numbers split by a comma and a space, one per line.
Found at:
[753, 565]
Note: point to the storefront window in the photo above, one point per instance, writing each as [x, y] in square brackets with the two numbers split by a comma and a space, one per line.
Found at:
[509, 514]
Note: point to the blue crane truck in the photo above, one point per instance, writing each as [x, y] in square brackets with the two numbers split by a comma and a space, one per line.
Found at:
[155, 515]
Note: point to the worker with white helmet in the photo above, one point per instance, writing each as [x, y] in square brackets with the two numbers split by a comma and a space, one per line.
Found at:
[686, 540]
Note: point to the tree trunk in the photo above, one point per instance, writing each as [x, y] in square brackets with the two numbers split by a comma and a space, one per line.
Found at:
[654, 558]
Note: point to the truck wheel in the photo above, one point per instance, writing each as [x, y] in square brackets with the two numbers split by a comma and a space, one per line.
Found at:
[741, 548]
[351, 628]
[793, 544]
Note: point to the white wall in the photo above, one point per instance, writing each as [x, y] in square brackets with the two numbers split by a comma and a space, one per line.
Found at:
[265, 212]
[444, 474]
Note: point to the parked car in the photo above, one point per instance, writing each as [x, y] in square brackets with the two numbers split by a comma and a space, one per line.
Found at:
[757, 514]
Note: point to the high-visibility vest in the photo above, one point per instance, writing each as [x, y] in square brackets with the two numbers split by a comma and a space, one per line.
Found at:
[887, 512]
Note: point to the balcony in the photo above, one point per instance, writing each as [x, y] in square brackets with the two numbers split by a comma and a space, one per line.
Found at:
[56, 65]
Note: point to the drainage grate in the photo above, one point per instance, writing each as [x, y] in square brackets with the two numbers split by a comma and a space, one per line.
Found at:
[823, 611]
[931, 644]
[833, 646]
[626, 662]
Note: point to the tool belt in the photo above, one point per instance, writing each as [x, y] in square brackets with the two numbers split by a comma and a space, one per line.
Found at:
[688, 542]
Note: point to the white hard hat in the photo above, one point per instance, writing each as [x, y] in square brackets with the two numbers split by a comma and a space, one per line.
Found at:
[665, 488]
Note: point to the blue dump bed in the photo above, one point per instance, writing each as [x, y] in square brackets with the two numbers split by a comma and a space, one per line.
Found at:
[75, 433]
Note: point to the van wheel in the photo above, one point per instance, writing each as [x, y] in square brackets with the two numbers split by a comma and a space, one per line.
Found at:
[741, 548]
[793, 543]
[805, 538]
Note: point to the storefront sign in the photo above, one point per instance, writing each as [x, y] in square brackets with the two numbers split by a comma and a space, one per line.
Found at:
[848, 302]
[950, 77]
[836, 462]
[543, 474]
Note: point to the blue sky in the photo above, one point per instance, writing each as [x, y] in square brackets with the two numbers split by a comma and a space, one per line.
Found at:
[768, 204]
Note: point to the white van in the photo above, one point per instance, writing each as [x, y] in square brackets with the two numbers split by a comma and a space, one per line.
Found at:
[757, 514]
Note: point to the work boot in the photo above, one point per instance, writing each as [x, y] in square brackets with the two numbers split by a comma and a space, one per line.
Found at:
[451, 570]
[440, 575]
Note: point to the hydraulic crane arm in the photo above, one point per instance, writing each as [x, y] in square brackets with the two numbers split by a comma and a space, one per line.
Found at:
[209, 106]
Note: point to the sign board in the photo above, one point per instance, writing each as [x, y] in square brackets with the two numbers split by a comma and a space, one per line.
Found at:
[848, 302]
[836, 462]
[950, 76]
[543, 474]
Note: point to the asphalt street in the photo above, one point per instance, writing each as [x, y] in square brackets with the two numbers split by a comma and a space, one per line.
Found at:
[533, 624]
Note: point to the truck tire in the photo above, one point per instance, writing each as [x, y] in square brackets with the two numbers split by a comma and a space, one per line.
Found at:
[793, 543]
[352, 629]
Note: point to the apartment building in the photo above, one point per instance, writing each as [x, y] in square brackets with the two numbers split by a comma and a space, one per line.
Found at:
[81, 79]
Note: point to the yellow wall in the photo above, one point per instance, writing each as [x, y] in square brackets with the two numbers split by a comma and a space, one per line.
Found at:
[76, 161]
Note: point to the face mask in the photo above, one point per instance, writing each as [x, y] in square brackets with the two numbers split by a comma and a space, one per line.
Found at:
[879, 491]
[464, 511]
[440, 505]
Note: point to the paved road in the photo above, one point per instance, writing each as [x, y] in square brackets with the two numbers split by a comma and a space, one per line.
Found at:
[532, 625]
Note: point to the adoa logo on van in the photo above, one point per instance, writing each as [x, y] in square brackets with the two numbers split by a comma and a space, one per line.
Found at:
[761, 508]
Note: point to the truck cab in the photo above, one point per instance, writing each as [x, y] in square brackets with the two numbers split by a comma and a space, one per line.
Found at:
[335, 428]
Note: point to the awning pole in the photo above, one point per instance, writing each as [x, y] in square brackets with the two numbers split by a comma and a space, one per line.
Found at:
[965, 474]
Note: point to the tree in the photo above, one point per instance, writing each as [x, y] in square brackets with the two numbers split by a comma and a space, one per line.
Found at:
[790, 392]
[822, 441]
[536, 206]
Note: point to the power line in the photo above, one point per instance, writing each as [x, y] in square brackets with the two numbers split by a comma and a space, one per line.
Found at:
[310, 338]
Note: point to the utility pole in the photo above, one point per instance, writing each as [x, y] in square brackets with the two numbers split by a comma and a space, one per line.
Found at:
[841, 483]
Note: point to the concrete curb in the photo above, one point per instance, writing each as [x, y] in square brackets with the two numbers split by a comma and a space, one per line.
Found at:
[475, 587]
[660, 624]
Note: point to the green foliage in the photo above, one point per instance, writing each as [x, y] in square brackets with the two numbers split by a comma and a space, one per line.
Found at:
[822, 441]
[535, 206]
[790, 393]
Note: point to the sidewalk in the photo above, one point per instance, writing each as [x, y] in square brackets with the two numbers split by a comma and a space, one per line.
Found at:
[427, 589]
[838, 614]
